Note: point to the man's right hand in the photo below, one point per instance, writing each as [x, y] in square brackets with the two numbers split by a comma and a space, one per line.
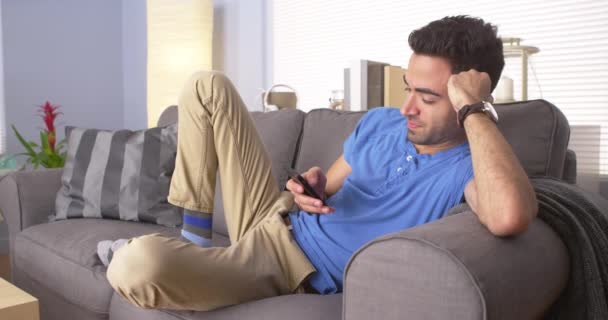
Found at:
[317, 180]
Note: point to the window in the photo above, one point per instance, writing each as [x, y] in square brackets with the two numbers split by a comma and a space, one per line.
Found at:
[315, 40]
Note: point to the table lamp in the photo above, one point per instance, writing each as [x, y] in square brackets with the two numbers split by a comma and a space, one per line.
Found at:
[512, 48]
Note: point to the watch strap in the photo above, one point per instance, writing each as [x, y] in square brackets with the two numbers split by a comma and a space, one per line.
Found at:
[468, 110]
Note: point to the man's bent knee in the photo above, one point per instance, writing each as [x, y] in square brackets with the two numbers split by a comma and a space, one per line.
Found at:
[209, 79]
[136, 268]
[210, 85]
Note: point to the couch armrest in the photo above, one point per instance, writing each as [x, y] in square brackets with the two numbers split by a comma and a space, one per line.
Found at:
[28, 198]
[454, 268]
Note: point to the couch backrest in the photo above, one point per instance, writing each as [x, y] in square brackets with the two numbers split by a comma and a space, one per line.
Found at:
[325, 131]
[537, 131]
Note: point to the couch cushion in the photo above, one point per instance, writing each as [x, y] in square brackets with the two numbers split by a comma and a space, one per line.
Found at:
[538, 133]
[62, 255]
[324, 133]
[119, 175]
[293, 307]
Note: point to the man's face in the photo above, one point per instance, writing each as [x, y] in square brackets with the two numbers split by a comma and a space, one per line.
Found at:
[431, 117]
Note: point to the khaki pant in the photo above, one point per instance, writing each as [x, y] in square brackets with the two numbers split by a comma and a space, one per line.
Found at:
[264, 260]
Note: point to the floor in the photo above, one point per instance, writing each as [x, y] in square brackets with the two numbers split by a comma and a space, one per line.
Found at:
[5, 269]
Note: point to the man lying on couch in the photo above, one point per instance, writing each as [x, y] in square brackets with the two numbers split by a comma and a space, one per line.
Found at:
[399, 168]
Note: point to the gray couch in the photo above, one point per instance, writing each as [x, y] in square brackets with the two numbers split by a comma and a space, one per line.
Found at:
[452, 268]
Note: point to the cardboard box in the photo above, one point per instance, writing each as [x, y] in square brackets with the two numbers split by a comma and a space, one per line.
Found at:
[16, 303]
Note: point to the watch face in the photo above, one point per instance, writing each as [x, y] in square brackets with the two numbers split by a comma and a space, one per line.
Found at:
[490, 108]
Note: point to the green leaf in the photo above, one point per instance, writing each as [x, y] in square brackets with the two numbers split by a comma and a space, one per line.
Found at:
[54, 161]
[25, 144]
[34, 161]
[59, 146]
[43, 156]
[44, 138]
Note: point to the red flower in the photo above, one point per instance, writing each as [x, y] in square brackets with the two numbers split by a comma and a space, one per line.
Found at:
[47, 153]
[49, 113]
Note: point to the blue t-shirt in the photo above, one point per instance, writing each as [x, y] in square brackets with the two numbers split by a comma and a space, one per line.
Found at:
[391, 188]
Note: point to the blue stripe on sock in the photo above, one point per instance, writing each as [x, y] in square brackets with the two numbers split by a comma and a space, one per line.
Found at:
[199, 241]
[198, 221]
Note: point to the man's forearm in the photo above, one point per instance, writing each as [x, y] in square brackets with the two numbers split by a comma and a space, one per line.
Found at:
[336, 175]
[505, 197]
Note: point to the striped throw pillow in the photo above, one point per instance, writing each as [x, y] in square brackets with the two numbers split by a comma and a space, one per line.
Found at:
[119, 175]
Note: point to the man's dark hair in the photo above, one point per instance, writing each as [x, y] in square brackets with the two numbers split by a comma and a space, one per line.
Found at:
[467, 42]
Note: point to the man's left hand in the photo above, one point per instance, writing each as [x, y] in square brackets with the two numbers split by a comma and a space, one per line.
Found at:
[468, 87]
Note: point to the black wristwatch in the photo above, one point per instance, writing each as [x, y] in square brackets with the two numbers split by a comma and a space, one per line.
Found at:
[482, 106]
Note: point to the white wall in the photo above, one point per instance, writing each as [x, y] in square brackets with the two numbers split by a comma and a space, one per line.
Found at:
[67, 52]
[90, 58]
[240, 45]
[134, 54]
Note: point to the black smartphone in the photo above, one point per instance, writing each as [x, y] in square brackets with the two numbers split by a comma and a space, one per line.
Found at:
[308, 189]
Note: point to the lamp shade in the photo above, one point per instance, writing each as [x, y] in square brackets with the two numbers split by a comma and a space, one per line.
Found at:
[180, 35]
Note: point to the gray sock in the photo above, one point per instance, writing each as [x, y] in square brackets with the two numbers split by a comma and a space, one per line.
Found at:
[106, 249]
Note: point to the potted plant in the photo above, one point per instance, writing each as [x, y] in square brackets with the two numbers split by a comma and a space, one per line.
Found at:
[47, 154]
